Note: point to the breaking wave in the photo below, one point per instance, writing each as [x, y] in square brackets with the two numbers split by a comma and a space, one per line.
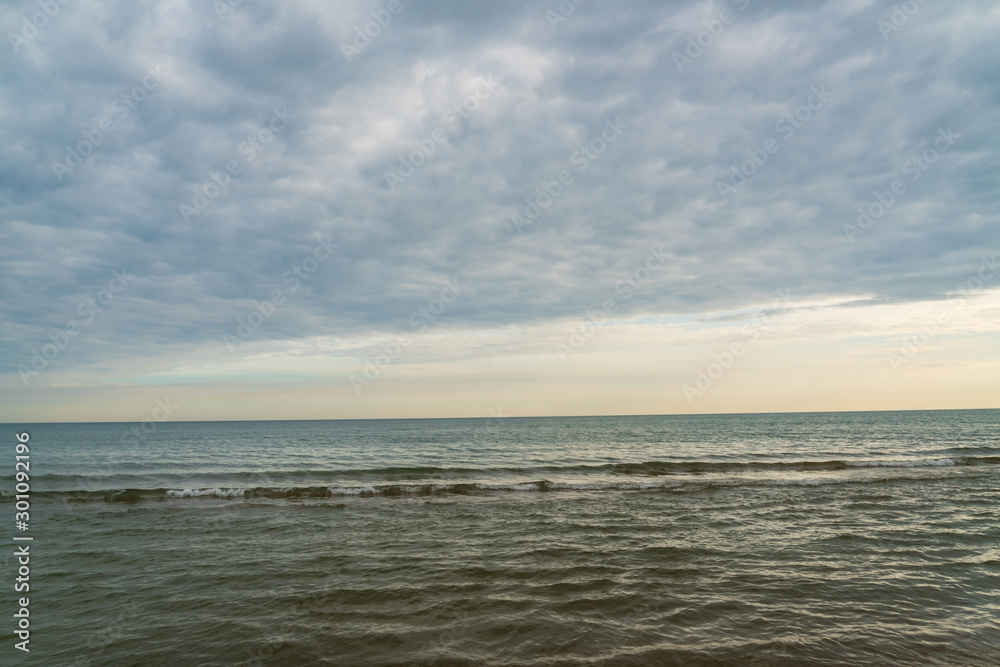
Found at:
[651, 476]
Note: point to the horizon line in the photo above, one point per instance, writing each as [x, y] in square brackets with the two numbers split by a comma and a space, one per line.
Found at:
[666, 414]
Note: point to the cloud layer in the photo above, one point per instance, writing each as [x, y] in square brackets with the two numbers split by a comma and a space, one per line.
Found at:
[531, 152]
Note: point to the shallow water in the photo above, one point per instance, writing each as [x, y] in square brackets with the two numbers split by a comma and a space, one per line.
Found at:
[847, 539]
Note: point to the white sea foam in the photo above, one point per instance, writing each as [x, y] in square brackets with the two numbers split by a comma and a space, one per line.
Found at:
[195, 493]
[351, 490]
[610, 486]
[860, 472]
[916, 463]
[527, 486]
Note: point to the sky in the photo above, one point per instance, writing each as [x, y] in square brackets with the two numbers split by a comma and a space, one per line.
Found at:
[440, 208]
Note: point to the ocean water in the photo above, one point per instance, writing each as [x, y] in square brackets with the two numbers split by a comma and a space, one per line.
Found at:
[793, 539]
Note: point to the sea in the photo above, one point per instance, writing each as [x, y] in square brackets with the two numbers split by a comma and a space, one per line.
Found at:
[862, 538]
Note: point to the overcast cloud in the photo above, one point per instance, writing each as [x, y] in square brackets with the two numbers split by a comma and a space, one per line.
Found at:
[314, 122]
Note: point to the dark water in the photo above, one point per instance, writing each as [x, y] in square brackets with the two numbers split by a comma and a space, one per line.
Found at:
[820, 539]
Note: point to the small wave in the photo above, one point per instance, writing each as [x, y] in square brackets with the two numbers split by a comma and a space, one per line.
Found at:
[431, 474]
[921, 463]
[352, 491]
[196, 493]
[701, 467]
[993, 448]
[672, 485]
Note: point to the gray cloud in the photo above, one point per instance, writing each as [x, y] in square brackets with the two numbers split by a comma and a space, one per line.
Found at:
[353, 120]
